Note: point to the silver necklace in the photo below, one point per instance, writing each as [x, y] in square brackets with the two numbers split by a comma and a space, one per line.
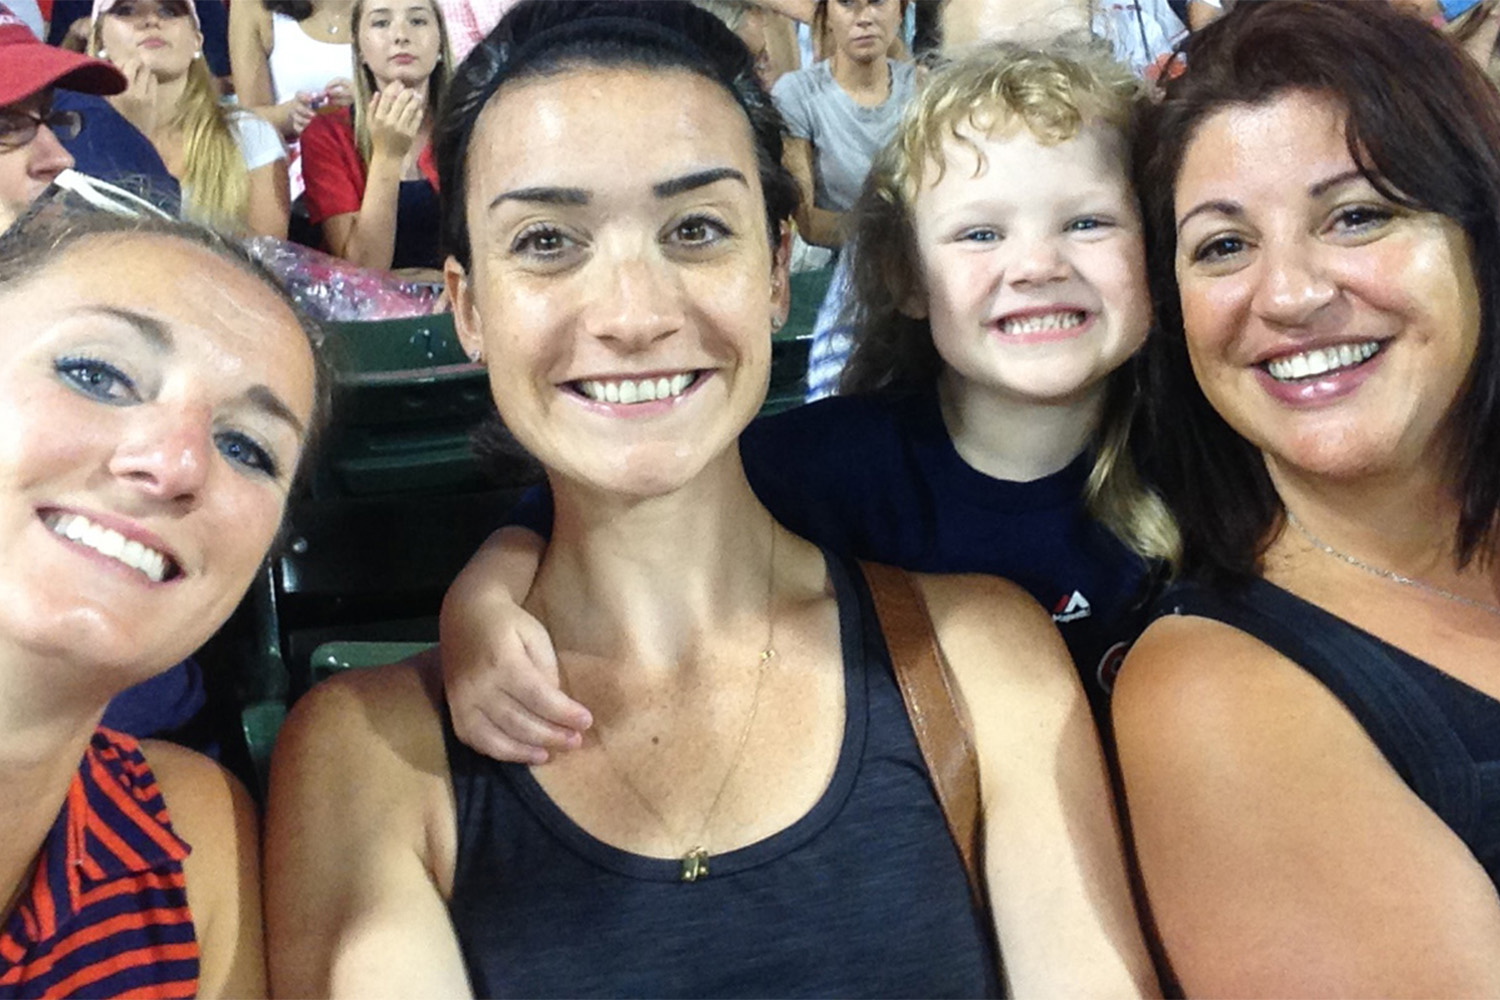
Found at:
[1391, 575]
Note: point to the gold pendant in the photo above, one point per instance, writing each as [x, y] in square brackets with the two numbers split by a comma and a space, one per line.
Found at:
[694, 864]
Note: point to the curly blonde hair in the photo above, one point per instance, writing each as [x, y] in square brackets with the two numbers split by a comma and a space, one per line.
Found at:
[1053, 91]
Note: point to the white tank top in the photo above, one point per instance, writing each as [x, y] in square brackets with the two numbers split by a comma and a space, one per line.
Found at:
[301, 62]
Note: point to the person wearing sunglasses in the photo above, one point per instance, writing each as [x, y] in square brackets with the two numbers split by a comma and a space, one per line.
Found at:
[31, 130]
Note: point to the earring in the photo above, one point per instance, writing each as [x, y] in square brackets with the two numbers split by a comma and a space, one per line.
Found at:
[776, 322]
[198, 54]
[103, 54]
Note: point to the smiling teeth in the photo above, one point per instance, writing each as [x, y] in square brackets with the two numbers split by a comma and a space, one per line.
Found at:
[641, 391]
[1322, 361]
[1047, 321]
[106, 541]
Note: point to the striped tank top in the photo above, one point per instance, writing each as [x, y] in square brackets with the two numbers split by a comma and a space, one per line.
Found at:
[106, 913]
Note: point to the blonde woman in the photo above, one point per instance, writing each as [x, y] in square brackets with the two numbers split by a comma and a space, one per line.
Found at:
[370, 179]
[230, 163]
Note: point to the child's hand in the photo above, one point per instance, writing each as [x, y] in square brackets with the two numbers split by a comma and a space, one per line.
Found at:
[499, 668]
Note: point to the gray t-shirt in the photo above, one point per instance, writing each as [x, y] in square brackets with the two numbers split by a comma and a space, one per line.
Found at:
[844, 136]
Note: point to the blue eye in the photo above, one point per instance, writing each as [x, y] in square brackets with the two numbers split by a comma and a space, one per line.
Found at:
[241, 450]
[1088, 223]
[97, 379]
[979, 234]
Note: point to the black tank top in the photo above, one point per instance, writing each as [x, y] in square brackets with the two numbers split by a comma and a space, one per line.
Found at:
[863, 896]
[1441, 735]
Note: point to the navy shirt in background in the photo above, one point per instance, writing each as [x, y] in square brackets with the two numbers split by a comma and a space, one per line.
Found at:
[110, 148]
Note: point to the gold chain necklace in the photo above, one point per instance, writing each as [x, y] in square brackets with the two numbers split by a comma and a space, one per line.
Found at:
[694, 861]
[1391, 575]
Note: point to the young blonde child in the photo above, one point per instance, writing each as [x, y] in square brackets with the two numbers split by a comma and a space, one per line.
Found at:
[984, 423]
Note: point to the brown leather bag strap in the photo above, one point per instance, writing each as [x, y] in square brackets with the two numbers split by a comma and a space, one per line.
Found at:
[927, 689]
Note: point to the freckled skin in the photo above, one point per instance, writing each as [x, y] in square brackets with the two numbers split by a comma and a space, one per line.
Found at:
[629, 293]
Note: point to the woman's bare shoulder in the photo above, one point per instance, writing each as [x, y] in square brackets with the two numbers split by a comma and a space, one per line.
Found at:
[989, 624]
[385, 720]
[213, 813]
[1206, 676]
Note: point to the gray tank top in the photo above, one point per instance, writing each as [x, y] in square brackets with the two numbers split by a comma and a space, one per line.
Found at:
[863, 896]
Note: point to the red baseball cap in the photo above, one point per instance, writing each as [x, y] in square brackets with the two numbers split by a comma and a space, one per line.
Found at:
[28, 65]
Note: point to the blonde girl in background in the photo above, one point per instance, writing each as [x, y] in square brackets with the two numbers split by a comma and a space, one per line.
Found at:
[231, 164]
[1000, 295]
[371, 181]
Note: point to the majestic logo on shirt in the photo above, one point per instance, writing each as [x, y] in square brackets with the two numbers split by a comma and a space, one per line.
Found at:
[1071, 608]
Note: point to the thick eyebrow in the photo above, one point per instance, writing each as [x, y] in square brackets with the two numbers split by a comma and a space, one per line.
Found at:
[545, 195]
[695, 180]
[664, 189]
[1233, 209]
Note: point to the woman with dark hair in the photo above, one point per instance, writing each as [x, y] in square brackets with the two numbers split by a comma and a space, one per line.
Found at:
[147, 444]
[753, 816]
[1310, 742]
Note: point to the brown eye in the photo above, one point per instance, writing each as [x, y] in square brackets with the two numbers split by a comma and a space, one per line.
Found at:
[1224, 246]
[700, 230]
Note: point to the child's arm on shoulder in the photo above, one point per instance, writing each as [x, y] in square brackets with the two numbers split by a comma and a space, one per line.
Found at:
[1054, 862]
[212, 812]
[499, 669]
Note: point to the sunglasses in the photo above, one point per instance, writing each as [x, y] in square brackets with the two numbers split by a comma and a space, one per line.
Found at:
[17, 128]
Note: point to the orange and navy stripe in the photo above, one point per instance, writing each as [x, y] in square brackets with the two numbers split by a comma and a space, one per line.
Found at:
[106, 914]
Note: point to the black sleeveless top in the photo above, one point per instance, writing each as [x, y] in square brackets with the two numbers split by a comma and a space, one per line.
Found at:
[1441, 735]
[864, 895]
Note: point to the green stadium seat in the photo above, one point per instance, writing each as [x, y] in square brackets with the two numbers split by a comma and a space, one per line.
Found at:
[335, 657]
[405, 401]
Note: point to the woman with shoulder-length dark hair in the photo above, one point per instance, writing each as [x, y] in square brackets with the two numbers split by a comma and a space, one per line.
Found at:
[752, 815]
[1310, 741]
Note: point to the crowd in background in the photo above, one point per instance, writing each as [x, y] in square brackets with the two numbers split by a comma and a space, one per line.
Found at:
[1174, 315]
